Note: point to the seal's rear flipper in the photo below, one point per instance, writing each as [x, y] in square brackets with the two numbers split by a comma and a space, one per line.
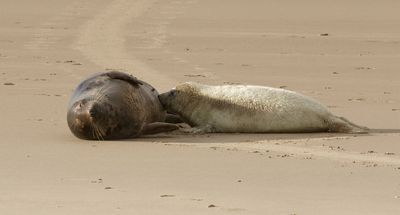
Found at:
[124, 77]
[343, 125]
[158, 127]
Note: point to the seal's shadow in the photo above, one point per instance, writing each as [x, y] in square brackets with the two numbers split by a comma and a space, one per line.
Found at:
[249, 137]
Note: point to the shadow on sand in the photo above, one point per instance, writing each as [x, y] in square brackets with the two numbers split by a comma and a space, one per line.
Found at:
[179, 137]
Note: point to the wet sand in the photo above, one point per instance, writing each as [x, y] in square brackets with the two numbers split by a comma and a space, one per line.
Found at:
[344, 54]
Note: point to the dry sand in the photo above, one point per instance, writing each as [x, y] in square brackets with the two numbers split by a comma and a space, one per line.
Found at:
[343, 53]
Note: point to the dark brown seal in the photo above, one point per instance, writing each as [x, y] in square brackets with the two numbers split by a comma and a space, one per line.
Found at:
[115, 105]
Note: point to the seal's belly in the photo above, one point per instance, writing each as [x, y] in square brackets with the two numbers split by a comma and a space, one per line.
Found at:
[264, 122]
[264, 111]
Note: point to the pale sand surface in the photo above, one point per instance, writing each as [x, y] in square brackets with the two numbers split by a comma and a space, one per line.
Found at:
[47, 47]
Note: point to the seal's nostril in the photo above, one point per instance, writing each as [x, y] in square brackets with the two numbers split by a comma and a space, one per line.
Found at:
[93, 112]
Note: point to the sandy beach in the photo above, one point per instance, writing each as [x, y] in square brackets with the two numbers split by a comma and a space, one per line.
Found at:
[344, 54]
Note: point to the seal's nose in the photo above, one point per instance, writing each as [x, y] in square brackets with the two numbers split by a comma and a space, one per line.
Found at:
[93, 112]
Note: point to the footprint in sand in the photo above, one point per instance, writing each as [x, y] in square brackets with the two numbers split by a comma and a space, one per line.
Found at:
[356, 99]
[231, 83]
[167, 195]
[71, 62]
[195, 75]
[364, 68]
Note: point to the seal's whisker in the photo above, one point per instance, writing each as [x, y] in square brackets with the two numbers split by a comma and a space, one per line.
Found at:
[98, 133]
[95, 135]
[98, 97]
[100, 137]
[100, 94]
[101, 132]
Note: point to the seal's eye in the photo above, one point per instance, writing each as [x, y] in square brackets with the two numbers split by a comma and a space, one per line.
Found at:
[81, 103]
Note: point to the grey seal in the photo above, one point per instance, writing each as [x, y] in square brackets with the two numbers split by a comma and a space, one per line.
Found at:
[252, 109]
[115, 105]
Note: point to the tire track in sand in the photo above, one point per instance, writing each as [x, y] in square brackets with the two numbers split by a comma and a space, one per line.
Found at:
[102, 39]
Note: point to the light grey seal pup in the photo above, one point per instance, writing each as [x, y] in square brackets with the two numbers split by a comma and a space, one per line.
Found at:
[252, 109]
[115, 105]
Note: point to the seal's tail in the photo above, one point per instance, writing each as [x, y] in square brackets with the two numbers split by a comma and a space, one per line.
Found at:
[343, 125]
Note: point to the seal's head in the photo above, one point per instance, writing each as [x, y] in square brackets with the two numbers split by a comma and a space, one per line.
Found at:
[176, 99]
[183, 99]
[167, 99]
[104, 107]
[99, 119]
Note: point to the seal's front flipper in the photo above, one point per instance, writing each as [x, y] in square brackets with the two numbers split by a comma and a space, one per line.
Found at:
[172, 118]
[158, 127]
[198, 130]
[124, 77]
